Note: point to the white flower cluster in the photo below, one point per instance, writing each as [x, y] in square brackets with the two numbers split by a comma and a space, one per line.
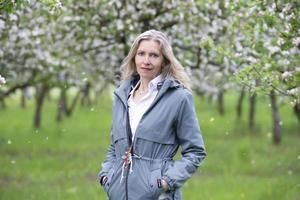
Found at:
[58, 4]
[286, 75]
[293, 91]
[296, 41]
[2, 80]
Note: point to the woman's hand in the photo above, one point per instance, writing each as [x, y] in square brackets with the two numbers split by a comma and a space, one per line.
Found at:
[103, 180]
[165, 186]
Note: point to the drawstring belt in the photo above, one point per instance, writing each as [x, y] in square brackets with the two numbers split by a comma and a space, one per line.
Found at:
[127, 160]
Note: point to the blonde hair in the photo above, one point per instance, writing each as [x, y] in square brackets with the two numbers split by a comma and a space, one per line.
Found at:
[171, 67]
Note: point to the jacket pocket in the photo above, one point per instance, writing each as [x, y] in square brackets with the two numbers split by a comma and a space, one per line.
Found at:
[109, 178]
[155, 183]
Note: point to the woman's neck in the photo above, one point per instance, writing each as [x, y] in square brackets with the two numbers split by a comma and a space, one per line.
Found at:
[144, 85]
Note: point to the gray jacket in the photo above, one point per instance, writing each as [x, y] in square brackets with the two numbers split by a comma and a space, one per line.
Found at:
[169, 122]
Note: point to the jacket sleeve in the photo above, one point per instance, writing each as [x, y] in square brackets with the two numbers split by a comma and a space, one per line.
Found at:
[192, 145]
[109, 161]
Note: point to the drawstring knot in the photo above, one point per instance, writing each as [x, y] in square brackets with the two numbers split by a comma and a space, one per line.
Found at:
[127, 161]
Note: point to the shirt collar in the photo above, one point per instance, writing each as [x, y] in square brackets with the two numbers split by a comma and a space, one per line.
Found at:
[154, 83]
[152, 86]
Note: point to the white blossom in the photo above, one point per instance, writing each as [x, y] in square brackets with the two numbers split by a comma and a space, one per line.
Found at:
[274, 49]
[293, 91]
[2, 80]
[286, 75]
[280, 41]
[296, 41]
[58, 4]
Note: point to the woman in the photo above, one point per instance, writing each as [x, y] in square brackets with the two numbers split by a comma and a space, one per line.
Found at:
[153, 114]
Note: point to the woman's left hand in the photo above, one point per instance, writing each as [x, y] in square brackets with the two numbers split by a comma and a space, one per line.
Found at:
[165, 186]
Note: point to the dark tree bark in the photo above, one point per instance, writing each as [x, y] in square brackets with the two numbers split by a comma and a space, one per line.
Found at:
[252, 111]
[221, 102]
[85, 99]
[297, 110]
[23, 85]
[62, 103]
[40, 96]
[70, 110]
[63, 110]
[23, 98]
[276, 119]
[239, 107]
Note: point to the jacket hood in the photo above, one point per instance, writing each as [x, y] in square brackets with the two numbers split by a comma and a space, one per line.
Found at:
[126, 86]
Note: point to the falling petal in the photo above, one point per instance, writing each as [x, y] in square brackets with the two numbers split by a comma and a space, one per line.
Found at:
[212, 119]
[290, 172]
[13, 162]
[9, 142]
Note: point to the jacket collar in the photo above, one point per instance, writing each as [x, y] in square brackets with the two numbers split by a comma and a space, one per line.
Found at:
[126, 86]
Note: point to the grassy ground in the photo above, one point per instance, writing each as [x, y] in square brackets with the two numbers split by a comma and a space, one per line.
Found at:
[61, 160]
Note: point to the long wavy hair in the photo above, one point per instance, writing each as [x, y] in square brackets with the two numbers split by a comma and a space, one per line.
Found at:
[171, 67]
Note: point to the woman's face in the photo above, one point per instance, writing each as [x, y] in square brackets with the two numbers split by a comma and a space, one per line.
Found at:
[148, 59]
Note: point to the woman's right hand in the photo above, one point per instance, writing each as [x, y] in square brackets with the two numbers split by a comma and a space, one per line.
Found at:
[103, 180]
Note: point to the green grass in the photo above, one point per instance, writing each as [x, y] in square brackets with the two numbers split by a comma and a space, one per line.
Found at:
[61, 160]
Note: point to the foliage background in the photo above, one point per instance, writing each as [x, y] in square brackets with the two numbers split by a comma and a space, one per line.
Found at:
[55, 55]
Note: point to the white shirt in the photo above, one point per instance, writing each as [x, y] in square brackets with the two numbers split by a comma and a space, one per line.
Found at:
[137, 109]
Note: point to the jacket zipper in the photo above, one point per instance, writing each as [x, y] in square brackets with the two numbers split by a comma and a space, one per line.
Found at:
[130, 143]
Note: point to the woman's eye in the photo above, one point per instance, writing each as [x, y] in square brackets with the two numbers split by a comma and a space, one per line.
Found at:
[154, 55]
[140, 53]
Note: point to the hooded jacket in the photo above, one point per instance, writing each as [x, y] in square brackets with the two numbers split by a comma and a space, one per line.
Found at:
[169, 122]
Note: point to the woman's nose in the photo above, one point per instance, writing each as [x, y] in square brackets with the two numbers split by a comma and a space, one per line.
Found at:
[146, 59]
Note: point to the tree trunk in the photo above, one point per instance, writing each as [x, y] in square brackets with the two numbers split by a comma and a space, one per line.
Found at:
[252, 111]
[70, 110]
[297, 110]
[276, 119]
[221, 102]
[61, 106]
[23, 98]
[40, 96]
[239, 107]
[85, 100]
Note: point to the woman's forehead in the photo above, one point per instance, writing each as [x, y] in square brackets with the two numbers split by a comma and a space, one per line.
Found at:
[149, 45]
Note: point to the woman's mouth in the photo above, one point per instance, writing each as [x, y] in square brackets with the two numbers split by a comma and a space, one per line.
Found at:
[146, 68]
